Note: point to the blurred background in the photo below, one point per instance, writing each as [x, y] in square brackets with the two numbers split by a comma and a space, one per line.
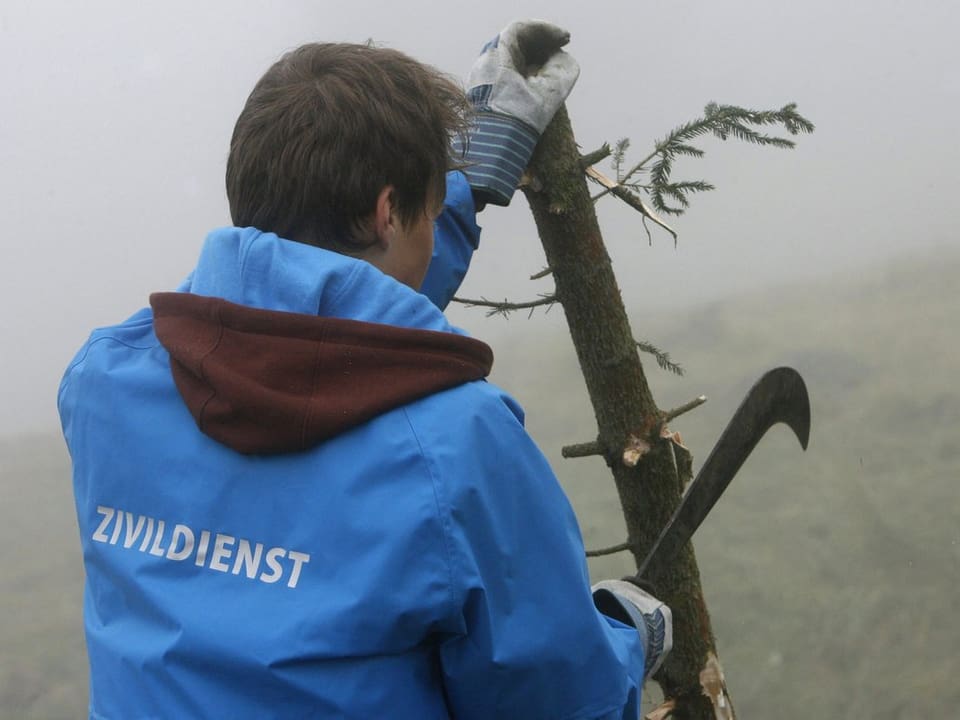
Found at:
[830, 575]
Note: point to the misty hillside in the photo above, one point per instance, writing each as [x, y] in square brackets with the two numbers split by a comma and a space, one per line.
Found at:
[831, 575]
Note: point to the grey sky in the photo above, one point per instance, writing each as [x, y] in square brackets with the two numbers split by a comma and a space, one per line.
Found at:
[115, 119]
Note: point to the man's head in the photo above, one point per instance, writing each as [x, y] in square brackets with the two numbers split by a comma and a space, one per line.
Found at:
[345, 147]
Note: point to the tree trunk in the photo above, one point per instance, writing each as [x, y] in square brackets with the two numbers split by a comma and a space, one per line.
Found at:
[624, 407]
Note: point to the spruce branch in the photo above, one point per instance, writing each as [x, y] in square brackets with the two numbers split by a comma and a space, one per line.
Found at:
[684, 149]
[662, 358]
[619, 152]
[724, 122]
[505, 308]
[721, 121]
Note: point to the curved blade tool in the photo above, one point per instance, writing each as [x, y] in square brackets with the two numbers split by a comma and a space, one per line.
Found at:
[780, 396]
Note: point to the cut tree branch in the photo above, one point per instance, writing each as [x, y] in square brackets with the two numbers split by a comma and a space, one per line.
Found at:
[685, 408]
[609, 550]
[592, 158]
[582, 450]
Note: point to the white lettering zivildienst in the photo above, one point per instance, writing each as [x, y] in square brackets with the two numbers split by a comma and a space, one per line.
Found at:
[108, 512]
[156, 549]
[247, 559]
[222, 546]
[202, 549]
[146, 536]
[186, 534]
[276, 569]
[299, 559]
[131, 537]
[183, 544]
[116, 528]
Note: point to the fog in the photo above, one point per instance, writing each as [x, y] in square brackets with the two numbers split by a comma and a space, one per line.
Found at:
[115, 119]
[838, 257]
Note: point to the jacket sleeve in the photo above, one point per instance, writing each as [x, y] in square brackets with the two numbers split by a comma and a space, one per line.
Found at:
[455, 237]
[532, 644]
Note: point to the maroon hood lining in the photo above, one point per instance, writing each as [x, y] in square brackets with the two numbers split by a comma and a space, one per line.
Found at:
[263, 381]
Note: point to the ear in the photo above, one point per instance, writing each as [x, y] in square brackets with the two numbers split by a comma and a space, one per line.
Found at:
[386, 222]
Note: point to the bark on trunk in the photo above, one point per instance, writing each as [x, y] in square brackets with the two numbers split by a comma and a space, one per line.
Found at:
[623, 404]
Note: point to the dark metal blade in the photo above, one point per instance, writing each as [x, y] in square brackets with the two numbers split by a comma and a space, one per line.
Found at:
[780, 396]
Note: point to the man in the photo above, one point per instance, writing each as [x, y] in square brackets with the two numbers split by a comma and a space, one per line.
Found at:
[297, 497]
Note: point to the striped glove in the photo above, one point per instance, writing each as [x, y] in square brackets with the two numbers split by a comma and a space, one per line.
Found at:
[623, 600]
[516, 85]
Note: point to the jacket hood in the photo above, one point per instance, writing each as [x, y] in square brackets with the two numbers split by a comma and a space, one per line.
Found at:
[266, 381]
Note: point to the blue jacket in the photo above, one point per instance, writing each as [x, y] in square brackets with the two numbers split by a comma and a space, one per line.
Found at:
[419, 563]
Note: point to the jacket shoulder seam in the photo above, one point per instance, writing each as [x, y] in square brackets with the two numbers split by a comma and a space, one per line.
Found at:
[443, 514]
[72, 368]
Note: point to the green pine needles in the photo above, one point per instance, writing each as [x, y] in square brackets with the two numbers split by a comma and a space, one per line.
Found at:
[652, 177]
[722, 121]
[663, 358]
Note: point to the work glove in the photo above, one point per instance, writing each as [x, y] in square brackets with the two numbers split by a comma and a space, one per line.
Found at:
[625, 601]
[516, 85]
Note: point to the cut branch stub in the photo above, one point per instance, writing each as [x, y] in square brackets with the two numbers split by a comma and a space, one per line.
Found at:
[621, 547]
[637, 447]
[586, 449]
[629, 197]
[592, 158]
[682, 409]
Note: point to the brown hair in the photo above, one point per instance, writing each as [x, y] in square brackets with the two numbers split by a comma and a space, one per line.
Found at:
[326, 128]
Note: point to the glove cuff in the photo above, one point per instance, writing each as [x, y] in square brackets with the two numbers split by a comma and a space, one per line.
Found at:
[626, 602]
[496, 154]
